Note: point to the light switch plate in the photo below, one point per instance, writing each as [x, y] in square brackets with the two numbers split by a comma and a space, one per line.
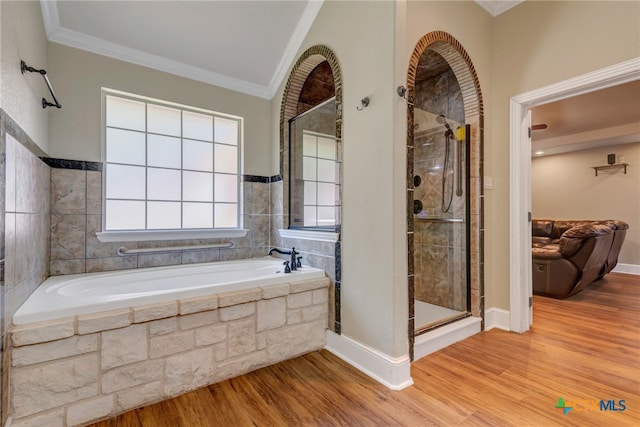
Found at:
[488, 183]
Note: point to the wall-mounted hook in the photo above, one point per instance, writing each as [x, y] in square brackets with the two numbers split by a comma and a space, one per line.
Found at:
[401, 91]
[364, 103]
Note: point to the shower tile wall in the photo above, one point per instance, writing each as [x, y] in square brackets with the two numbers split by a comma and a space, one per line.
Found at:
[439, 248]
[441, 94]
[440, 274]
[76, 215]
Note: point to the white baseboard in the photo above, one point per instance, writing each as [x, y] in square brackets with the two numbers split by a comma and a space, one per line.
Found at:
[497, 318]
[392, 372]
[444, 336]
[627, 268]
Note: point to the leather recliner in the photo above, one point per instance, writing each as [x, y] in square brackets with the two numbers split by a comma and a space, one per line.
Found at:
[619, 234]
[569, 255]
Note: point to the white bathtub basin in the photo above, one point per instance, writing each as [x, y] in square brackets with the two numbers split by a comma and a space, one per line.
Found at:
[75, 294]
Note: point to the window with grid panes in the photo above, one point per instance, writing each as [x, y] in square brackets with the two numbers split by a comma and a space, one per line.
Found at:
[319, 175]
[169, 166]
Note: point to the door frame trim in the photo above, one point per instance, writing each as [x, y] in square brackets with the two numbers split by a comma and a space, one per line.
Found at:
[520, 281]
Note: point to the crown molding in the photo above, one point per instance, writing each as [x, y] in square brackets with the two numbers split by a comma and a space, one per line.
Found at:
[134, 56]
[295, 42]
[50, 16]
[57, 34]
[496, 7]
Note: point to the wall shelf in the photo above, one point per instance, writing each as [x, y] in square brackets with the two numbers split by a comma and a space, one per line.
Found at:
[616, 166]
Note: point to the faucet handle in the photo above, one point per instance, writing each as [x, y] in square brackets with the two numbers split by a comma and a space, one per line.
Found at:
[298, 263]
[287, 269]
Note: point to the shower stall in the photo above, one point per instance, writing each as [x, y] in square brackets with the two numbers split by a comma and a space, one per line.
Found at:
[441, 220]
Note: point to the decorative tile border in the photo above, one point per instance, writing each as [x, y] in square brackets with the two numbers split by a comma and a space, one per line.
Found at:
[72, 164]
[261, 179]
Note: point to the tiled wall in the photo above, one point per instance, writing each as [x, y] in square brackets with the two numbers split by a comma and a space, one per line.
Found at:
[76, 215]
[24, 225]
[439, 248]
[441, 94]
[440, 273]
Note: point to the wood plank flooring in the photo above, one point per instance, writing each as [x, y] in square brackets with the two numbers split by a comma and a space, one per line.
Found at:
[584, 348]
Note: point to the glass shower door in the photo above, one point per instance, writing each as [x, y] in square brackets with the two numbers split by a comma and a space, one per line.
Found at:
[441, 226]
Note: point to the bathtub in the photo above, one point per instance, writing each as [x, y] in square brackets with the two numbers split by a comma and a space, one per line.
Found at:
[77, 294]
[86, 347]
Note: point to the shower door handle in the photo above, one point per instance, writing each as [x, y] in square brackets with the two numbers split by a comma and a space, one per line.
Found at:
[459, 169]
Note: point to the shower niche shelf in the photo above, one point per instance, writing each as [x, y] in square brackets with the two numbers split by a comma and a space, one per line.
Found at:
[615, 166]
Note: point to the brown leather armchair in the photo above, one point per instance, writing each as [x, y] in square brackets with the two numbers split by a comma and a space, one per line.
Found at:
[619, 234]
[569, 255]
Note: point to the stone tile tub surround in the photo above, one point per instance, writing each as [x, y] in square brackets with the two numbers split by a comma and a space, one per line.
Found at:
[76, 215]
[77, 370]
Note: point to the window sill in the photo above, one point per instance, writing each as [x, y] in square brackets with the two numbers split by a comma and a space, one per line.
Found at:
[318, 236]
[143, 236]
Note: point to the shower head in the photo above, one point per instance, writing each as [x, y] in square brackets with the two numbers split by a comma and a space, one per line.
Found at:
[443, 121]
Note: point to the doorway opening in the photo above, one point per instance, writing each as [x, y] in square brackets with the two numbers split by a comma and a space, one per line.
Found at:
[520, 279]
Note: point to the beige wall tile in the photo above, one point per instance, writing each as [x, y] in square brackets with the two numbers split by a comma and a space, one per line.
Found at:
[67, 236]
[68, 191]
[94, 192]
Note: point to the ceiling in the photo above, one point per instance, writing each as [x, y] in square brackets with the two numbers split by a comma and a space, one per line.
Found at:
[243, 45]
[605, 117]
[248, 46]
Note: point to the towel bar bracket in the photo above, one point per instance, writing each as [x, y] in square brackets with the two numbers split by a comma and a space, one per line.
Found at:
[25, 68]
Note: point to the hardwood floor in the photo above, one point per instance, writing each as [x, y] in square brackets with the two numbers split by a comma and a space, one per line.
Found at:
[582, 349]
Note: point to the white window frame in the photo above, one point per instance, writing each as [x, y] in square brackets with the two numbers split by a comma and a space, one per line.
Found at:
[170, 234]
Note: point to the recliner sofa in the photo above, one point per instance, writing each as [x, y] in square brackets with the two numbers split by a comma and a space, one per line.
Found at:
[568, 255]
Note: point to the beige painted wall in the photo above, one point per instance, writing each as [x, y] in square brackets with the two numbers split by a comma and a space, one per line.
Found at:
[22, 38]
[564, 186]
[373, 45]
[75, 131]
[361, 36]
[536, 44]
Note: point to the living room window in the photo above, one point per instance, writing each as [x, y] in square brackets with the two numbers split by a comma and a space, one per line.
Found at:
[169, 167]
